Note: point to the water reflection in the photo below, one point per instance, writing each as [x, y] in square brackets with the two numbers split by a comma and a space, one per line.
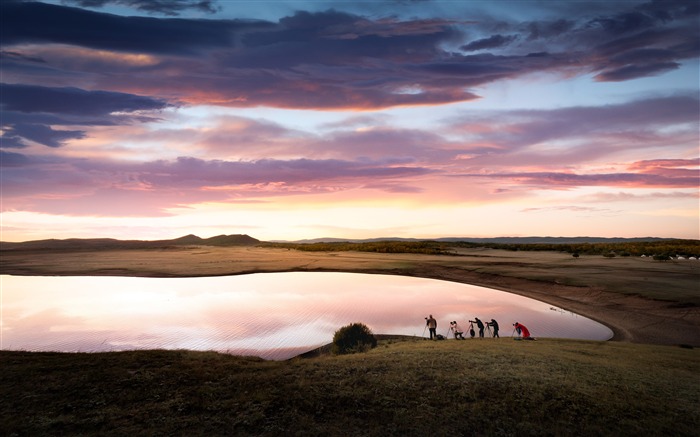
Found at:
[272, 315]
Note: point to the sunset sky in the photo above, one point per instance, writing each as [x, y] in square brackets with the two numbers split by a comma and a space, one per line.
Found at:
[145, 119]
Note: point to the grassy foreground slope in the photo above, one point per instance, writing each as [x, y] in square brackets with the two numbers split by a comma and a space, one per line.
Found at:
[414, 387]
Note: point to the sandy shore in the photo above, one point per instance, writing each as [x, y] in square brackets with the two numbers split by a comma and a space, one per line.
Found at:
[641, 300]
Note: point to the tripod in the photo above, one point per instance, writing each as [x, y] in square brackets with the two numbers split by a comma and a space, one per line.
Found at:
[488, 328]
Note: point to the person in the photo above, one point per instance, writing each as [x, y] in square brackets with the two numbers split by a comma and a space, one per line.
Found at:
[432, 327]
[458, 331]
[523, 330]
[480, 325]
[494, 325]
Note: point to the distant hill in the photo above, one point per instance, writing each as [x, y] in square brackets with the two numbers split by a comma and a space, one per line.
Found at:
[246, 240]
[496, 240]
[110, 243]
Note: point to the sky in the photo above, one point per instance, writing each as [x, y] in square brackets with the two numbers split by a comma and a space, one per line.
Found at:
[286, 120]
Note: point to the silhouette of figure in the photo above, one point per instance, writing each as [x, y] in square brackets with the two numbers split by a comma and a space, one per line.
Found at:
[494, 325]
[432, 327]
[480, 325]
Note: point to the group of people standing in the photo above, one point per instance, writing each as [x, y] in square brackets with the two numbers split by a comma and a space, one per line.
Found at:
[458, 332]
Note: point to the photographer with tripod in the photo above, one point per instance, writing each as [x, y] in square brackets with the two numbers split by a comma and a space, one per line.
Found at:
[431, 323]
[457, 330]
[480, 325]
[522, 330]
[494, 325]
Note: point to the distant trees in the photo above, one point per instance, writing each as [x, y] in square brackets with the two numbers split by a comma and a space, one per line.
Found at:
[422, 247]
[670, 248]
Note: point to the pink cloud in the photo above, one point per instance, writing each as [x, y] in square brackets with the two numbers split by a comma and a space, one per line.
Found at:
[566, 179]
[105, 187]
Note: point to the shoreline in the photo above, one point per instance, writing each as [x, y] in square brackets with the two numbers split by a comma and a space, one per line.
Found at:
[550, 278]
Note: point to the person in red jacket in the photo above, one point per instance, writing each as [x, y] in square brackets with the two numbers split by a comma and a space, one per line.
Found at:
[523, 331]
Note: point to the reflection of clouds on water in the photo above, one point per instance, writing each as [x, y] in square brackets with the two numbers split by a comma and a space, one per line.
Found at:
[274, 315]
[51, 330]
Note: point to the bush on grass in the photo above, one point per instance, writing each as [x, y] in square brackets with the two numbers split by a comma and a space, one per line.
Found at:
[353, 338]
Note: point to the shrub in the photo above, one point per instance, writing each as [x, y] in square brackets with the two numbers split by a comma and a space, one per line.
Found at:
[575, 255]
[353, 338]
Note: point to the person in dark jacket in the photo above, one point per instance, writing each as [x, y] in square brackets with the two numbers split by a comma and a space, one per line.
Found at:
[480, 325]
[494, 325]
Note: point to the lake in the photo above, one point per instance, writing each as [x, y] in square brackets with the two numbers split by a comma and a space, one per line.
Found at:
[271, 315]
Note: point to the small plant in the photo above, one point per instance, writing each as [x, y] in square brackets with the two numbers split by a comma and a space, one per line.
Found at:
[353, 338]
[575, 255]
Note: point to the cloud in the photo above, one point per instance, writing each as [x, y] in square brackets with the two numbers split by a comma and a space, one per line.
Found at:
[355, 138]
[580, 133]
[395, 188]
[11, 159]
[625, 196]
[216, 172]
[110, 70]
[652, 164]
[43, 134]
[494, 41]
[557, 180]
[7, 55]
[333, 59]
[572, 208]
[548, 29]
[29, 112]
[72, 101]
[165, 7]
[31, 23]
[117, 188]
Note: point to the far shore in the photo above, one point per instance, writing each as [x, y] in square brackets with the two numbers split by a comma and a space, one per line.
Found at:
[641, 300]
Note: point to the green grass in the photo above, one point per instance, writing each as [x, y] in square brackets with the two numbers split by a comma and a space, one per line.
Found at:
[418, 387]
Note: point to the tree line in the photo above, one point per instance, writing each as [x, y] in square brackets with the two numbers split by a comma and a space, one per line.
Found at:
[660, 249]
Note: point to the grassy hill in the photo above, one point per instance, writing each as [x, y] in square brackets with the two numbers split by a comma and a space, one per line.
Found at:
[113, 244]
[412, 387]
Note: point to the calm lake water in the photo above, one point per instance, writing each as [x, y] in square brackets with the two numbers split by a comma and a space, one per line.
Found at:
[271, 315]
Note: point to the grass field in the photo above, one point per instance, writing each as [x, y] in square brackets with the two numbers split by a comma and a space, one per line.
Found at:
[674, 281]
[411, 387]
